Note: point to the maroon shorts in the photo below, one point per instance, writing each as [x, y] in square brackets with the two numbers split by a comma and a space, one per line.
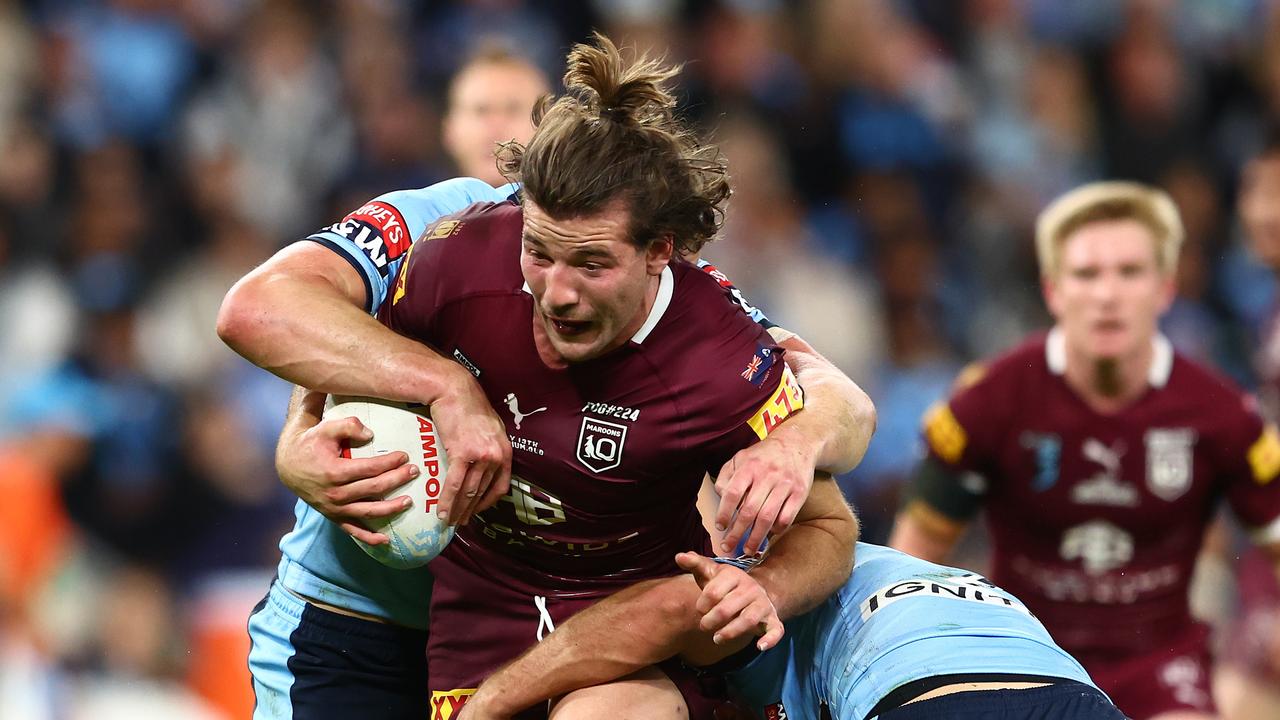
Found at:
[479, 623]
[1173, 677]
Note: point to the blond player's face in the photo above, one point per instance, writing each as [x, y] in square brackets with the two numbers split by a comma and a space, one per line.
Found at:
[1109, 293]
[589, 282]
[490, 104]
[1260, 208]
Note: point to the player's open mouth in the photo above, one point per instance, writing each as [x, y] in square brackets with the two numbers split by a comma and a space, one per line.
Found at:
[570, 327]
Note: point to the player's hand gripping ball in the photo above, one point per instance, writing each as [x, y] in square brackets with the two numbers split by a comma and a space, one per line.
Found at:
[417, 535]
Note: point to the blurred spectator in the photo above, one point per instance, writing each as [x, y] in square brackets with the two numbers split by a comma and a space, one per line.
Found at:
[275, 125]
[767, 250]
[121, 68]
[489, 102]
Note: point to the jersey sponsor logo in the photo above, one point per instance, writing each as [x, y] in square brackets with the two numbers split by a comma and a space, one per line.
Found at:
[378, 229]
[1264, 455]
[787, 399]
[1065, 584]
[1098, 545]
[1105, 487]
[464, 361]
[759, 365]
[446, 704]
[944, 433]
[969, 586]
[1186, 677]
[1169, 461]
[1047, 448]
[600, 444]
[533, 505]
[513, 405]
[776, 711]
[612, 411]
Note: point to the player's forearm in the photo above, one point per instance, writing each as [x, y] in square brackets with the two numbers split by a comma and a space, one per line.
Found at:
[636, 627]
[838, 418]
[815, 557]
[305, 330]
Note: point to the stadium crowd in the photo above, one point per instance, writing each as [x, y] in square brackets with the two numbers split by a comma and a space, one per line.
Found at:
[888, 161]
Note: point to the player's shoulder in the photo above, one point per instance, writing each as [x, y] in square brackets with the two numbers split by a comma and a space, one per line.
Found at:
[444, 197]
[1208, 392]
[704, 324]
[1024, 364]
[712, 354]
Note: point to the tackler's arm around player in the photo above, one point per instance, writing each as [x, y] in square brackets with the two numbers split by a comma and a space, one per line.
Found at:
[272, 317]
[763, 487]
[704, 616]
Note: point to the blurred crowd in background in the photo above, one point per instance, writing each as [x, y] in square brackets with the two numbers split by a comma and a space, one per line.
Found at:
[888, 161]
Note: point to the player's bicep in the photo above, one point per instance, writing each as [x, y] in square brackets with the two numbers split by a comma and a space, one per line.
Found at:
[310, 263]
[1253, 481]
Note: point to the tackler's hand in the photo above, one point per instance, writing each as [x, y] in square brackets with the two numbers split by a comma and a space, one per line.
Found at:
[733, 605]
[310, 462]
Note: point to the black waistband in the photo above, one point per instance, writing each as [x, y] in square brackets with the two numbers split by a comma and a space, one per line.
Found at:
[903, 694]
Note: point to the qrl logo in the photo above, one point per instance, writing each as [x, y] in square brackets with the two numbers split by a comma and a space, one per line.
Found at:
[430, 461]
[600, 444]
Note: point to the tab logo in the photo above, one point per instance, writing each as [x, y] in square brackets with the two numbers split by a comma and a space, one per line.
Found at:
[600, 444]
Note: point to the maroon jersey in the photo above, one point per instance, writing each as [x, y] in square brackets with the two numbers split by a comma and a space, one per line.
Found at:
[1097, 519]
[608, 454]
[1266, 362]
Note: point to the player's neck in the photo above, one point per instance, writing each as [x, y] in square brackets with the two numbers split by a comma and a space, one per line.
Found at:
[1109, 386]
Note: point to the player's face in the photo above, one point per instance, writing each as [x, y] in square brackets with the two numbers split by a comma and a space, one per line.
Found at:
[490, 103]
[591, 285]
[1260, 208]
[1109, 293]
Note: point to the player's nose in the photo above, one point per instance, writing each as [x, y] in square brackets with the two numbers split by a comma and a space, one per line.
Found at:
[560, 289]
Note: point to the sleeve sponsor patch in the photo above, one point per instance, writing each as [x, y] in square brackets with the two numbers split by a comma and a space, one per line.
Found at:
[944, 433]
[787, 399]
[1264, 455]
[378, 229]
[757, 369]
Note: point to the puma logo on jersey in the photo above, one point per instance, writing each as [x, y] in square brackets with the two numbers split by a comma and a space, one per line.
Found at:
[513, 404]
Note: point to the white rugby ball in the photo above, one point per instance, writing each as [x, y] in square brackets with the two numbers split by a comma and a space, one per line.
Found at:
[417, 535]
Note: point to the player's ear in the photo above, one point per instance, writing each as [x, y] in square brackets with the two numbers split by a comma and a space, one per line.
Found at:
[1168, 291]
[657, 254]
[1049, 289]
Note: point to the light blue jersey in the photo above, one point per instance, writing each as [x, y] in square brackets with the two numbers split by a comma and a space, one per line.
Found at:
[319, 560]
[898, 619]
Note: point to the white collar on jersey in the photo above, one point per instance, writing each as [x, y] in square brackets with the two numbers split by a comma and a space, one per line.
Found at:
[1055, 354]
[666, 288]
